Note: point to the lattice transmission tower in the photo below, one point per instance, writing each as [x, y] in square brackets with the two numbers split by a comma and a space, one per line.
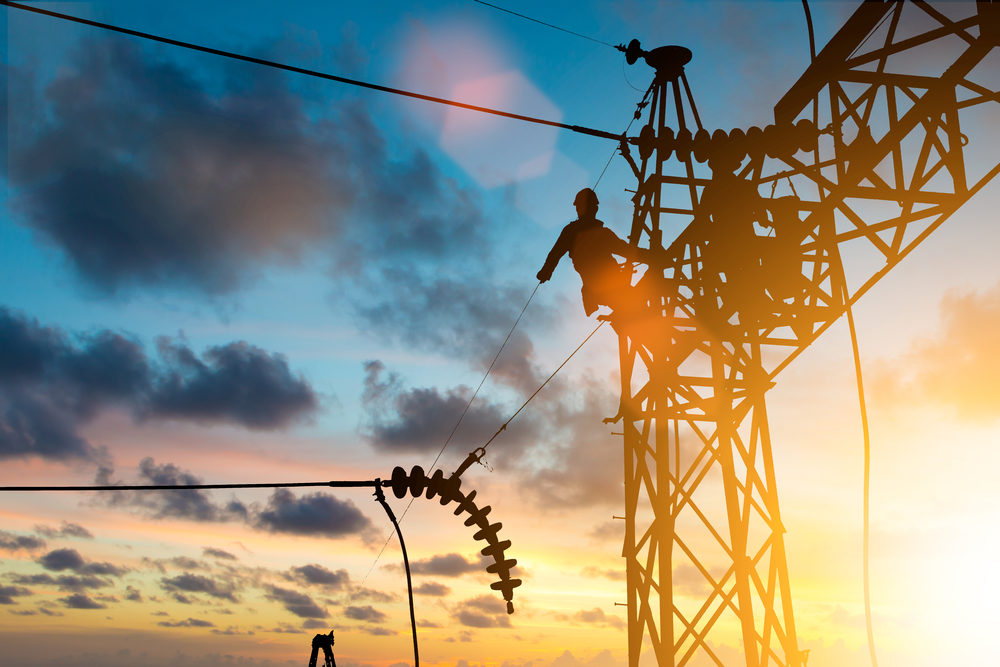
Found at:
[869, 152]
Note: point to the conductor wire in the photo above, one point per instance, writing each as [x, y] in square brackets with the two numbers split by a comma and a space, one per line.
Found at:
[866, 500]
[549, 25]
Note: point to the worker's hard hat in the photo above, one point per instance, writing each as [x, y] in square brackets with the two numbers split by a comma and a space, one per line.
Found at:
[585, 195]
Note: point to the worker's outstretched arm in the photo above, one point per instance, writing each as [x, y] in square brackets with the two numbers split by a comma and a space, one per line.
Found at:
[560, 248]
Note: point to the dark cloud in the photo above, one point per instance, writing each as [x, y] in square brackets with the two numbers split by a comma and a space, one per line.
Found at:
[70, 559]
[485, 611]
[420, 419]
[51, 384]
[187, 623]
[319, 575]
[378, 631]
[13, 542]
[367, 613]
[432, 588]
[8, 593]
[312, 514]
[218, 554]
[582, 460]
[186, 563]
[438, 314]
[65, 582]
[66, 529]
[143, 176]
[133, 594]
[237, 383]
[81, 601]
[78, 583]
[362, 593]
[297, 603]
[194, 583]
[194, 504]
[446, 565]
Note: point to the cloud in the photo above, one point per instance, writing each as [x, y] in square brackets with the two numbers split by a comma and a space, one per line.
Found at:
[187, 623]
[193, 504]
[485, 611]
[446, 565]
[218, 554]
[52, 383]
[438, 313]
[70, 559]
[581, 461]
[297, 603]
[81, 601]
[237, 383]
[194, 583]
[8, 593]
[378, 631]
[13, 542]
[602, 659]
[432, 588]
[367, 613]
[312, 514]
[319, 575]
[143, 176]
[597, 616]
[957, 368]
[66, 529]
[595, 572]
[420, 420]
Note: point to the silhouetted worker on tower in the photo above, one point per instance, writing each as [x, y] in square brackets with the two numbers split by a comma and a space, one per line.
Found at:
[591, 247]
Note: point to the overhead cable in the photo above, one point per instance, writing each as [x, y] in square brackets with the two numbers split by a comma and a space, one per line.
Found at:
[866, 492]
[309, 72]
[340, 484]
[550, 25]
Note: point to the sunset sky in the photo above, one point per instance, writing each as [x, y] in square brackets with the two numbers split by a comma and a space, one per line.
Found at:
[212, 271]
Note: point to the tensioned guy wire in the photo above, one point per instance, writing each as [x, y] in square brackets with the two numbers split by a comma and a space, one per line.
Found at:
[458, 423]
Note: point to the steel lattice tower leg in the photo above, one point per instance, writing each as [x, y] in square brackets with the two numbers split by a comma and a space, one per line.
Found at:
[704, 548]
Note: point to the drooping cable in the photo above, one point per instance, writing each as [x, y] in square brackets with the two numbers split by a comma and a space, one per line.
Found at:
[866, 531]
[380, 497]
[549, 25]
[308, 72]
[809, 27]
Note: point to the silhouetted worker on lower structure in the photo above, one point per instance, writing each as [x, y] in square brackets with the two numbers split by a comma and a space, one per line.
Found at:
[324, 642]
[591, 247]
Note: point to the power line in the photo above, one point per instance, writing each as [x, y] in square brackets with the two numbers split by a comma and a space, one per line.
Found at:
[550, 25]
[308, 72]
[866, 491]
[176, 487]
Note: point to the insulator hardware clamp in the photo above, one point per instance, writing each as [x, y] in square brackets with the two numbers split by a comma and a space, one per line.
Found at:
[417, 483]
